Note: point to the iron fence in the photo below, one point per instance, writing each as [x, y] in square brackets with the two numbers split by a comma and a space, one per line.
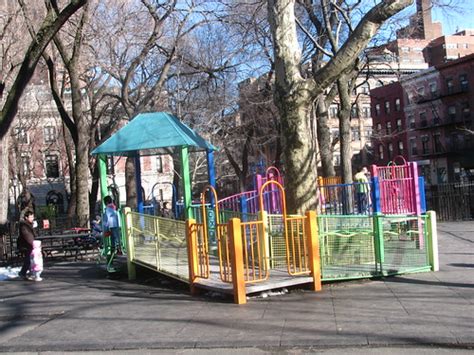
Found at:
[452, 202]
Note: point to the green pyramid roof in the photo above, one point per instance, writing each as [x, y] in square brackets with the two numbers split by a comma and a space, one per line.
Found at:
[152, 133]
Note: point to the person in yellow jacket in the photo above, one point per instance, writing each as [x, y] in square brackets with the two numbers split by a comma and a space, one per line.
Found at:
[362, 190]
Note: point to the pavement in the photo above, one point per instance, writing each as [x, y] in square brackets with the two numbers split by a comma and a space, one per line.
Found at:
[78, 309]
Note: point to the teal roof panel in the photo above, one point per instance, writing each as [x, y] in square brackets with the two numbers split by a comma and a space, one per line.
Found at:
[152, 133]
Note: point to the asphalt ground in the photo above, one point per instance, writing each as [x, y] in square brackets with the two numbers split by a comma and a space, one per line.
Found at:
[77, 309]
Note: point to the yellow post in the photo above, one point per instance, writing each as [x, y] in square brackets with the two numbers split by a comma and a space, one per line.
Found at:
[237, 261]
[433, 241]
[313, 245]
[263, 233]
[131, 270]
[191, 234]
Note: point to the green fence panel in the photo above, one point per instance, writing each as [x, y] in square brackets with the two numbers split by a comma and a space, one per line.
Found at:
[405, 247]
[346, 247]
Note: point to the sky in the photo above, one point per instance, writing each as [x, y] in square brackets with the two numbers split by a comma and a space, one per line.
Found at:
[460, 18]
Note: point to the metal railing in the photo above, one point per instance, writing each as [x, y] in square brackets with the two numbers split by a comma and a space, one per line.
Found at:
[158, 243]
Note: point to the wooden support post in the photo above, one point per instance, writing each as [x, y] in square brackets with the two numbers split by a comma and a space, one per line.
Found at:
[433, 241]
[237, 262]
[312, 236]
[131, 270]
[193, 266]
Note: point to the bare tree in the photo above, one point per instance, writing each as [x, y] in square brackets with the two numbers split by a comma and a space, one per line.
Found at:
[14, 78]
[295, 93]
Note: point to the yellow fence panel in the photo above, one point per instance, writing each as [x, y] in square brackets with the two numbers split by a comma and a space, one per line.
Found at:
[160, 244]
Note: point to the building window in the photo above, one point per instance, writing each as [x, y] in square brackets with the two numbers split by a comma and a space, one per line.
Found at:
[398, 104]
[381, 152]
[435, 115]
[333, 111]
[368, 132]
[450, 85]
[390, 151]
[25, 168]
[433, 89]
[451, 45]
[423, 120]
[405, 49]
[463, 82]
[426, 173]
[413, 149]
[389, 128]
[159, 164]
[52, 166]
[466, 109]
[425, 145]
[377, 109]
[437, 143]
[400, 148]
[354, 112]
[387, 107]
[411, 121]
[49, 133]
[355, 134]
[442, 175]
[366, 111]
[21, 135]
[399, 125]
[365, 88]
[452, 112]
[379, 128]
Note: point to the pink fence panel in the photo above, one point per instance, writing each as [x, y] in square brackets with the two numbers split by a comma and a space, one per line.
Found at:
[398, 188]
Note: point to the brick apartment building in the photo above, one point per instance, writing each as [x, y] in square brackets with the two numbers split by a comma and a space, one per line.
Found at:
[436, 127]
[389, 131]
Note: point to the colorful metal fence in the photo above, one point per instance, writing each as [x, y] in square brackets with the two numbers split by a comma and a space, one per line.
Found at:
[346, 199]
[346, 247]
[401, 244]
[158, 243]
[398, 188]
[368, 246]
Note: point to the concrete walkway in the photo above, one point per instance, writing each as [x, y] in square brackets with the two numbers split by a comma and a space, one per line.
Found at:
[76, 308]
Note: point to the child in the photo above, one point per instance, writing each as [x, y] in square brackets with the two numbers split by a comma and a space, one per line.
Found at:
[111, 224]
[36, 261]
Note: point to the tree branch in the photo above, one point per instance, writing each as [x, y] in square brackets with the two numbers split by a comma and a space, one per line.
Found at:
[48, 29]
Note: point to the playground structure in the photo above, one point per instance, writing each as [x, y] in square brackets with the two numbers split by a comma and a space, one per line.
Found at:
[247, 202]
[247, 243]
[394, 190]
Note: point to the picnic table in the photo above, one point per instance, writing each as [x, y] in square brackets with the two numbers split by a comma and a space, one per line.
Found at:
[72, 241]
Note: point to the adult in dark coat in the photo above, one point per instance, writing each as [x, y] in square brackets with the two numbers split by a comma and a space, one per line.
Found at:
[25, 240]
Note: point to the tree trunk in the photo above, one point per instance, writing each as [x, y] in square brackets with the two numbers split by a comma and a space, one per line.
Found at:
[4, 180]
[82, 174]
[345, 143]
[345, 130]
[130, 183]
[299, 154]
[324, 140]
